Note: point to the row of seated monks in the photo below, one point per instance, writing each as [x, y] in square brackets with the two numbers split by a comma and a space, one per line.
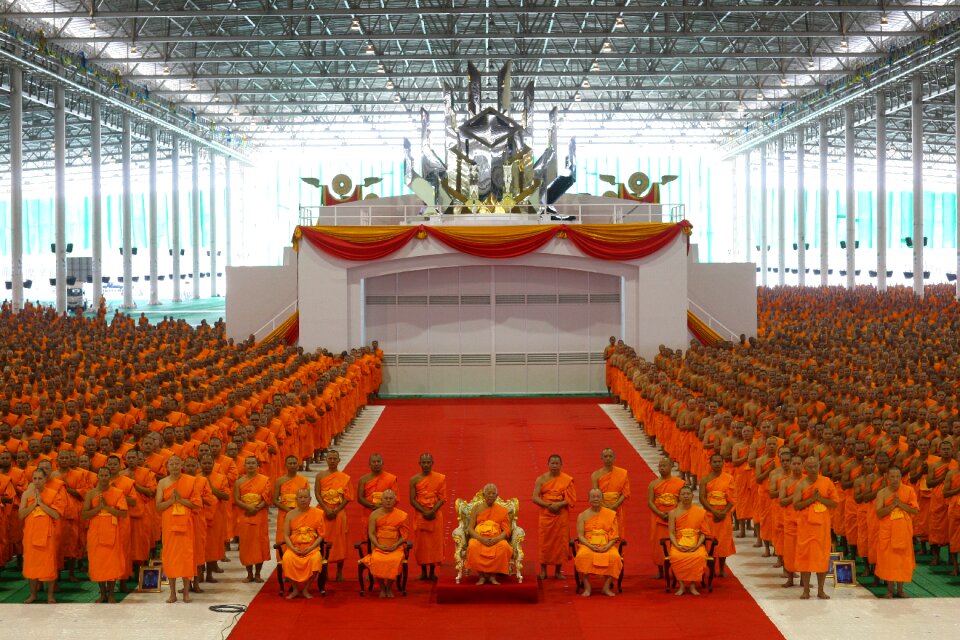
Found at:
[837, 429]
[116, 436]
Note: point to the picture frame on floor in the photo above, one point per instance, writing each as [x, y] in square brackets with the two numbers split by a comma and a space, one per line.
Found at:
[156, 564]
[845, 573]
[835, 556]
[149, 580]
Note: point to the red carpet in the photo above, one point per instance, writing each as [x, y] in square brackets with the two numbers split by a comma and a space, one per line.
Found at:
[507, 441]
[467, 592]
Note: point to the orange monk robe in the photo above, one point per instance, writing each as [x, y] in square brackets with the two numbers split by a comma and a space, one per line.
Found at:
[373, 492]
[491, 522]
[813, 529]
[613, 485]
[335, 488]
[554, 528]
[690, 566]
[106, 558]
[666, 496]
[71, 542]
[428, 546]
[9, 492]
[938, 523]
[305, 528]
[141, 517]
[125, 484]
[895, 557]
[390, 527]
[600, 529]
[207, 502]
[953, 515]
[177, 524]
[790, 521]
[216, 515]
[252, 529]
[41, 536]
[721, 491]
[288, 499]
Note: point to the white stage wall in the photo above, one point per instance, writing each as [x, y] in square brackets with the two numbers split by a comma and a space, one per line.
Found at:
[653, 304]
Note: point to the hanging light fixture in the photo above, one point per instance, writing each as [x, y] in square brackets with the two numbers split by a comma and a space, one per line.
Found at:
[390, 85]
[370, 50]
[193, 83]
[618, 23]
[380, 68]
[595, 66]
[607, 47]
[585, 84]
[166, 69]
[577, 97]
[396, 97]
[354, 25]
[883, 18]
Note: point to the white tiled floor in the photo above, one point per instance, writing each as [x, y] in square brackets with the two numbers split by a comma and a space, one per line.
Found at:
[146, 615]
[850, 613]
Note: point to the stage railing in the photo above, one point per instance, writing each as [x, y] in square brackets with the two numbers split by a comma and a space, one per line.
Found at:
[712, 322]
[363, 214]
[275, 321]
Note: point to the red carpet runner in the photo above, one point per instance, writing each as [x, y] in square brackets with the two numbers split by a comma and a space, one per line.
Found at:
[507, 441]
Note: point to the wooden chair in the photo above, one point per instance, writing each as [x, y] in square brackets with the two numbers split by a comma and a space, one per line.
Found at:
[321, 575]
[364, 549]
[461, 535]
[575, 544]
[671, 582]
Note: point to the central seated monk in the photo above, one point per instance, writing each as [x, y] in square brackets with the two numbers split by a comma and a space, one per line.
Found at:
[388, 532]
[303, 530]
[489, 551]
[598, 552]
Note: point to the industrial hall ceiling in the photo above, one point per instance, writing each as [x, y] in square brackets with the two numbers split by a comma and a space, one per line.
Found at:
[725, 74]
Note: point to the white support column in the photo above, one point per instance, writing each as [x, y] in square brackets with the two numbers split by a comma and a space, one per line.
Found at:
[195, 219]
[16, 186]
[748, 203]
[96, 204]
[824, 204]
[763, 214]
[781, 214]
[916, 120]
[152, 160]
[851, 194]
[60, 196]
[175, 215]
[127, 214]
[227, 208]
[801, 208]
[881, 191]
[212, 213]
[956, 137]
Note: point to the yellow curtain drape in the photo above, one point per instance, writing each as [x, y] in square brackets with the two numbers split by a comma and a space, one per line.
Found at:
[703, 333]
[282, 328]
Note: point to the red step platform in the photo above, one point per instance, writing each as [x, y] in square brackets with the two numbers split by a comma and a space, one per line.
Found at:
[509, 591]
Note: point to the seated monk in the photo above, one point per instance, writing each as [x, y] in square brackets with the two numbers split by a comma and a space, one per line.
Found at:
[598, 553]
[688, 555]
[387, 531]
[896, 504]
[302, 534]
[489, 551]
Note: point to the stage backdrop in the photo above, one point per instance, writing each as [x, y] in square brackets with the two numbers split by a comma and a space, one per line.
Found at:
[492, 329]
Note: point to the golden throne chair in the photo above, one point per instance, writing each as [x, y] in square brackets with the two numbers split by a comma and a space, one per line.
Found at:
[461, 535]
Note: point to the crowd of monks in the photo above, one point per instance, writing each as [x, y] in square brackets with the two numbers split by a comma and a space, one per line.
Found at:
[119, 437]
[837, 429]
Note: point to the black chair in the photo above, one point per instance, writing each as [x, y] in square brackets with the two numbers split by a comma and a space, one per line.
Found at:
[671, 581]
[575, 545]
[321, 575]
[364, 549]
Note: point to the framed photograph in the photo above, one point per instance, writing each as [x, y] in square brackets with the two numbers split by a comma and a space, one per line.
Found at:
[149, 579]
[835, 556]
[845, 573]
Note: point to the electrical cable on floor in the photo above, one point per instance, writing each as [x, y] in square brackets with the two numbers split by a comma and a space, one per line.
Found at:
[236, 609]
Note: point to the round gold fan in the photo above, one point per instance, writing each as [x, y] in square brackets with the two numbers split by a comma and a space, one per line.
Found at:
[341, 184]
[638, 183]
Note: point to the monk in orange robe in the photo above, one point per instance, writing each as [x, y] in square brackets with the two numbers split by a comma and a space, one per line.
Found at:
[178, 496]
[285, 494]
[41, 507]
[372, 485]
[334, 491]
[302, 536]
[598, 553]
[388, 532]
[554, 493]
[663, 495]
[489, 550]
[689, 528]
[790, 518]
[216, 515]
[428, 494]
[252, 494]
[615, 484]
[718, 496]
[104, 506]
[896, 504]
[813, 498]
[145, 486]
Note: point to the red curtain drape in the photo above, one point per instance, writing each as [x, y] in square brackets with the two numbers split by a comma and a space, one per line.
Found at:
[618, 242]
